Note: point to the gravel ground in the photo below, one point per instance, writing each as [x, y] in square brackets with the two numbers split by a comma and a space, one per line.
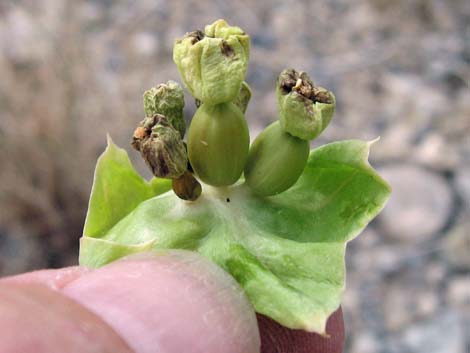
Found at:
[73, 70]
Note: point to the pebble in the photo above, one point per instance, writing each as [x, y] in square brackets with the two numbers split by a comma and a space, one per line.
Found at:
[365, 343]
[442, 333]
[457, 246]
[458, 294]
[462, 183]
[435, 152]
[419, 206]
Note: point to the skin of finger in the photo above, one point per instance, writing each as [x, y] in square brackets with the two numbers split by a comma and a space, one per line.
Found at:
[174, 301]
[53, 279]
[276, 338]
[35, 319]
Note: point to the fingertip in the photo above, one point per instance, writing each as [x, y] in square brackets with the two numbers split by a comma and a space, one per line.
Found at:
[171, 301]
[54, 278]
[36, 319]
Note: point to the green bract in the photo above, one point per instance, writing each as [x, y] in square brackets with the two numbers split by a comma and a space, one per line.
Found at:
[286, 251]
[212, 64]
[166, 99]
[241, 101]
[243, 97]
[304, 110]
[218, 142]
[275, 161]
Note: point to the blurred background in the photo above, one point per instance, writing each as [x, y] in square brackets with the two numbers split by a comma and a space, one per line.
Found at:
[70, 71]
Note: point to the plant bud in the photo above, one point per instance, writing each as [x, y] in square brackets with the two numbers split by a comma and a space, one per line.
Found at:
[166, 99]
[275, 161]
[213, 64]
[304, 110]
[218, 141]
[161, 146]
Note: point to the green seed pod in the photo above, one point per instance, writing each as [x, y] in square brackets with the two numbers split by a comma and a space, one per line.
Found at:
[161, 147]
[166, 99]
[275, 161]
[242, 99]
[213, 63]
[218, 141]
[304, 110]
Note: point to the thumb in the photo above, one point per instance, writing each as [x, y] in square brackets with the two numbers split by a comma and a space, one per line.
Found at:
[176, 301]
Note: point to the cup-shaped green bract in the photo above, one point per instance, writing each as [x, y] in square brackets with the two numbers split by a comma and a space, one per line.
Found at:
[161, 147]
[166, 99]
[213, 64]
[304, 110]
[275, 161]
[218, 142]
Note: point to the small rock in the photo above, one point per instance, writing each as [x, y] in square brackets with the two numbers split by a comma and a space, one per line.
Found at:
[458, 293]
[443, 333]
[379, 259]
[462, 182]
[395, 143]
[145, 44]
[457, 246]
[419, 205]
[435, 152]
[365, 343]
[409, 295]
[435, 272]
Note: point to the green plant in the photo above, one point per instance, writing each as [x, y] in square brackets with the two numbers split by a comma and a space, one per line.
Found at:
[282, 232]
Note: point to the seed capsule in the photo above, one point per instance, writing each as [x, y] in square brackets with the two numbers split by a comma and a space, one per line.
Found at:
[304, 110]
[213, 63]
[186, 187]
[218, 141]
[275, 161]
[166, 99]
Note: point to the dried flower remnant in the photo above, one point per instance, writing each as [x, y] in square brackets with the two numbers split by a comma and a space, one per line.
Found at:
[161, 146]
[304, 109]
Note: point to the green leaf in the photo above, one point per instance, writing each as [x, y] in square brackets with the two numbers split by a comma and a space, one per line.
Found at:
[97, 252]
[117, 190]
[286, 251]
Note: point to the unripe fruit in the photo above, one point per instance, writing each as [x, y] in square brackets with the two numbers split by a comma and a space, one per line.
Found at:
[276, 160]
[218, 142]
